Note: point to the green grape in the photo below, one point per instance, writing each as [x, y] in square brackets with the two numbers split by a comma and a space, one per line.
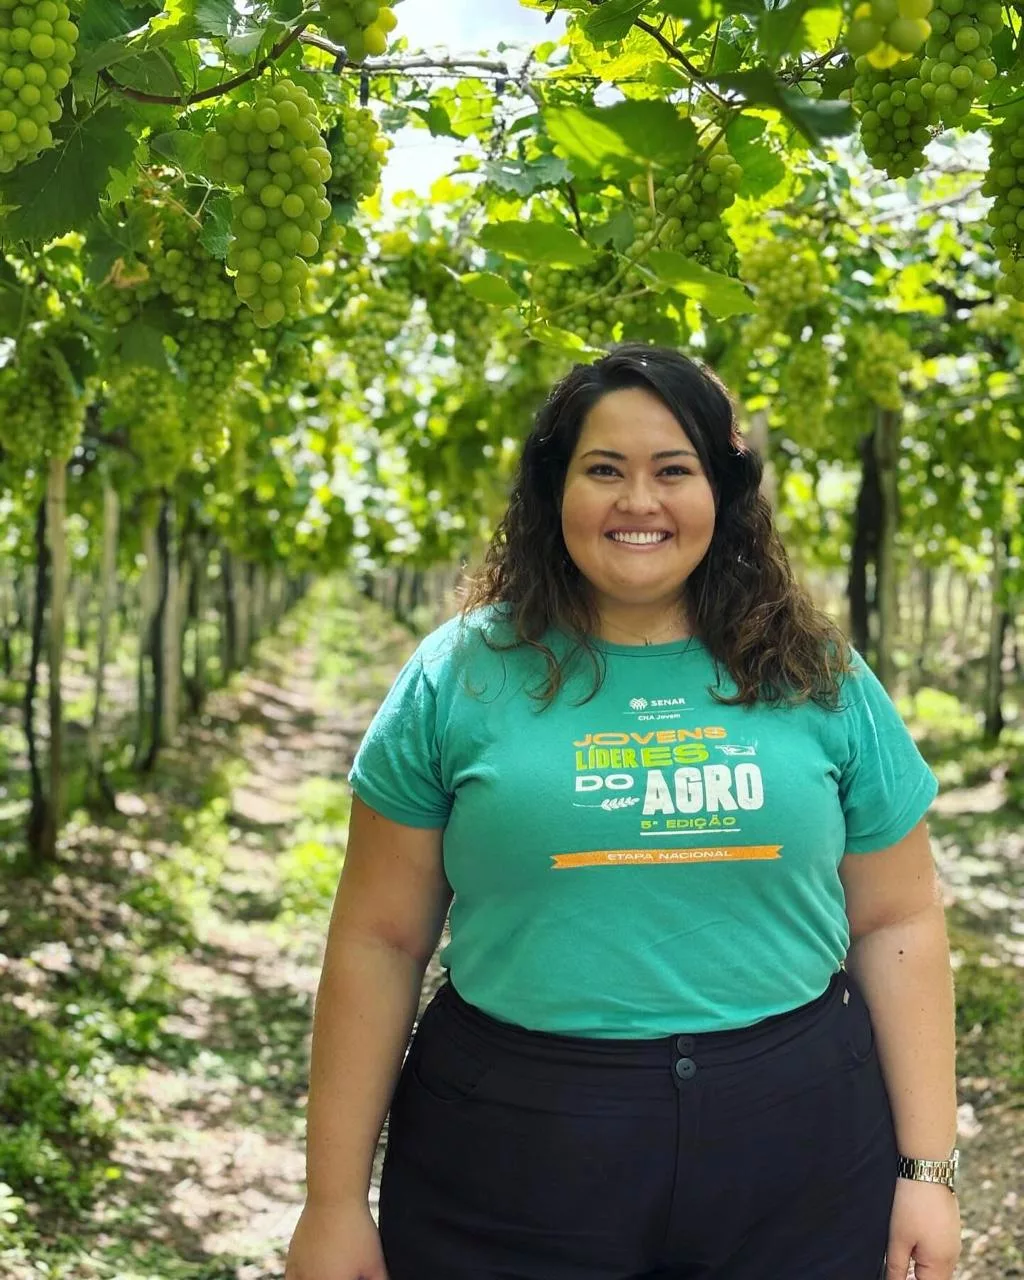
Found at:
[358, 152]
[884, 31]
[897, 111]
[805, 391]
[37, 48]
[273, 150]
[41, 413]
[1004, 181]
[958, 56]
[361, 27]
[787, 280]
[591, 303]
[186, 271]
[879, 359]
[687, 214]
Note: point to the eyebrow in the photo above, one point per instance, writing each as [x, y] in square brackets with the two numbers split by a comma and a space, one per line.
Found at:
[655, 457]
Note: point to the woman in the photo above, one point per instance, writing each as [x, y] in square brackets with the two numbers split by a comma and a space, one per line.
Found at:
[699, 1016]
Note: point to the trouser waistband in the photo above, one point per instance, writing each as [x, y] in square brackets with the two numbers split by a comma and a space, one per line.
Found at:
[476, 1028]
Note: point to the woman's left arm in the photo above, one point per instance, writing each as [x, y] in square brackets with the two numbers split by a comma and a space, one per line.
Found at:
[899, 956]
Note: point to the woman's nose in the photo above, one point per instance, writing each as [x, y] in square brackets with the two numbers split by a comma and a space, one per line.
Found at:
[638, 495]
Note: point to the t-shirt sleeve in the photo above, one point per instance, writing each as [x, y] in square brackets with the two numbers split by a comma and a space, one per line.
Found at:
[397, 769]
[885, 787]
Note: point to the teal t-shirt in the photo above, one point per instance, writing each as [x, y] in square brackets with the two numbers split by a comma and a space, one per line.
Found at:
[650, 861]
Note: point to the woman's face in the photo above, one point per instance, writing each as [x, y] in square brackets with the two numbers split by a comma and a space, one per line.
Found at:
[635, 474]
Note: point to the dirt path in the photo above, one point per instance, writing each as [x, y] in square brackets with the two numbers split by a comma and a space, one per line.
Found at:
[212, 1146]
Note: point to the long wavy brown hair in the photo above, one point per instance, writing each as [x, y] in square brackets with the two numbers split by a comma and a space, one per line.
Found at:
[742, 601]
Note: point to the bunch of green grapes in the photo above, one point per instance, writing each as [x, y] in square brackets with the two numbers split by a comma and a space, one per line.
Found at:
[958, 58]
[898, 112]
[41, 413]
[787, 280]
[1005, 182]
[274, 150]
[210, 355]
[884, 31]
[358, 152]
[592, 304]
[879, 360]
[186, 271]
[145, 406]
[120, 298]
[687, 213]
[37, 48]
[805, 390]
[361, 27]
[373, 317]
[1002, 320]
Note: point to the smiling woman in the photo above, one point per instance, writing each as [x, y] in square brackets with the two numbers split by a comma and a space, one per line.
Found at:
[637, 516]
[662, 921]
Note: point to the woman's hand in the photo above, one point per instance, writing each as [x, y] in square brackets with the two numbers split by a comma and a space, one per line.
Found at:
[925, 1227]
[335, 1242]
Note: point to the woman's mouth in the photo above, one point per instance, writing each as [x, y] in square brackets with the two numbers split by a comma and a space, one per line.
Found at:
[639, 540]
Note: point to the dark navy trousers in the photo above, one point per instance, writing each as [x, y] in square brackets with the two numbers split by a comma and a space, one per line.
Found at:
[766, 1153]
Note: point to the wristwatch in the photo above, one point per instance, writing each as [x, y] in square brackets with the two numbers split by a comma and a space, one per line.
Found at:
[941, 1171]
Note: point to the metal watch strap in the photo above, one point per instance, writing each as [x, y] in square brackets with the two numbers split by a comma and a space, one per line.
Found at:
[940, 1171]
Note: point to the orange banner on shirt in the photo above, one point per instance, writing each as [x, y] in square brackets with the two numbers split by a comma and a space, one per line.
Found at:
[658, 857]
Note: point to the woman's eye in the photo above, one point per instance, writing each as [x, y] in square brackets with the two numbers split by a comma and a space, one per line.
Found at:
[679, 471]
[600, 468]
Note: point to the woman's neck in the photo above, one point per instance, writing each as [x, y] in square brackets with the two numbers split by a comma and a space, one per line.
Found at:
[643, 628]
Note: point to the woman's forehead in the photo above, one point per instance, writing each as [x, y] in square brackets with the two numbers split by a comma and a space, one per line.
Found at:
[632, 421]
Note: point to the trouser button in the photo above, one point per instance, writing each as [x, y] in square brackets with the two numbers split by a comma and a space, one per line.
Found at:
[686, 1068]
[686, 1044]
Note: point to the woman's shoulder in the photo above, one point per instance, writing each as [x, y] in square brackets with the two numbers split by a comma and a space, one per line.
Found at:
[466, 633]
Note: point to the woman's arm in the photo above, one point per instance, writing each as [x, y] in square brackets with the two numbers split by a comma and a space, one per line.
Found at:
[388, 915]
[899, 956]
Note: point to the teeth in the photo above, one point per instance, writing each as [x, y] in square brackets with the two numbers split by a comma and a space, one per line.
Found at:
[640, 539]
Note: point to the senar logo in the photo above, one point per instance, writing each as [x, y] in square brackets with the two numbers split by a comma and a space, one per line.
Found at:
[638, 704]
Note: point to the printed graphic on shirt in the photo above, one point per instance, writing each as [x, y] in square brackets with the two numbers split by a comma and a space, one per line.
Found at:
[679, 782]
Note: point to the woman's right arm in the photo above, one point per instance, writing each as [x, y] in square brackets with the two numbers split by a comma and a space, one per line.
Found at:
[388, 915]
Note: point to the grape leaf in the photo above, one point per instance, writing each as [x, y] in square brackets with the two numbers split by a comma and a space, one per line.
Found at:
[721, 295]
[183, 148]
[526, 178]
[612, 20]
[141, 344]
[536, 241]
[815, 118]
[490, 288]
[216, 233]
[627, 136]
[61, 190]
